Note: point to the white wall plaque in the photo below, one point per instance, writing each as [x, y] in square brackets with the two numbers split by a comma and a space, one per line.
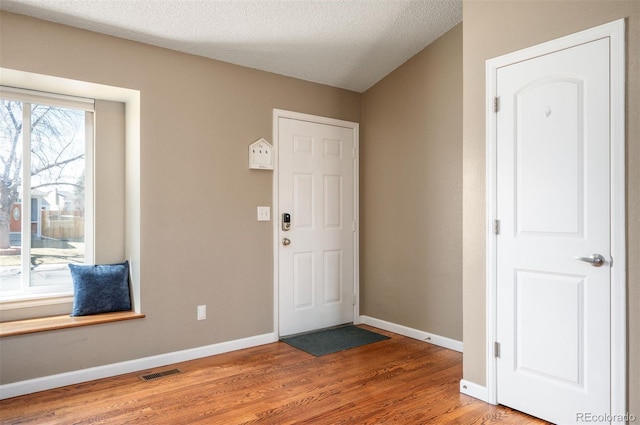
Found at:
[261, 155]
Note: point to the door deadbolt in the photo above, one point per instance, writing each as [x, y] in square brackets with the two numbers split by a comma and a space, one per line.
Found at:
[286, 222]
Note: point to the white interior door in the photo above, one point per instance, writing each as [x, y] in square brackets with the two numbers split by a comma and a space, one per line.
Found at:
[317, 254]
[553, 203]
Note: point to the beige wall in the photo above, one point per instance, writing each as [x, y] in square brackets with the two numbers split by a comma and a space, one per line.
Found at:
[200, 242]
[411, 192]
[494, 28]
[109, 174]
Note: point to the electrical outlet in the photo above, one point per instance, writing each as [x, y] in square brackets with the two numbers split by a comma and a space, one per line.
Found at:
[264, 213]
[202, 312]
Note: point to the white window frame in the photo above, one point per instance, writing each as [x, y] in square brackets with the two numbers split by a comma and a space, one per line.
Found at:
[36, 296]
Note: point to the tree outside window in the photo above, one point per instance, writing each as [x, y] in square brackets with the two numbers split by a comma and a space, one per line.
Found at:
[42, 209]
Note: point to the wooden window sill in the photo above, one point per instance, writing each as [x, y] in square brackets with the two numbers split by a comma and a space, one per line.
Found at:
[52, 323]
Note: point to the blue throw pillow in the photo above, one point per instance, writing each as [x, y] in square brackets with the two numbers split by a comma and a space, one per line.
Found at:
[100, 288]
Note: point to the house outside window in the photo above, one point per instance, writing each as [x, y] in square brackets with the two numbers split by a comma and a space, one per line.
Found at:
[46, 144]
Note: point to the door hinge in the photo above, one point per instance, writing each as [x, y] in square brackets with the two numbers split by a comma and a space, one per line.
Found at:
[496, 226]
[353, 152]
[353, 300]
[496, 350]
[353, 226]
[496, 104]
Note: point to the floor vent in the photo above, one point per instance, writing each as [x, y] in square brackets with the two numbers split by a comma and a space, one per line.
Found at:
[158, 375]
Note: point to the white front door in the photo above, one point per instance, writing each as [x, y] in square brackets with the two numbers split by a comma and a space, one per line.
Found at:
[317, 254]
[553, 203]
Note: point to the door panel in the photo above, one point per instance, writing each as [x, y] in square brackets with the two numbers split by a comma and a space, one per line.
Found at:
[333, 287]
[553, 318]
[541, 126]
[564, 359]
[332, 198]
[303, 195]
[316, 186]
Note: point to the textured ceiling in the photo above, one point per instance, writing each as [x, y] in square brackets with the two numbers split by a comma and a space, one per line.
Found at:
[350, 44]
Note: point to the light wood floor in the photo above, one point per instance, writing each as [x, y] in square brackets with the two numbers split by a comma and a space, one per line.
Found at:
[396, 381]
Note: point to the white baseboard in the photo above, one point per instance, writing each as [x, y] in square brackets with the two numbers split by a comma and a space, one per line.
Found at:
[438, 340]
[77, 376]
[474, 390]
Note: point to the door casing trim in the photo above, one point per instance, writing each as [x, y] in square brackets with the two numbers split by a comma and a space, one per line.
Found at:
[615, 31]
[280, 113]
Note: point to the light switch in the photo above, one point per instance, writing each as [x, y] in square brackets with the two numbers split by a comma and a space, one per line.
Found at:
[264, 213]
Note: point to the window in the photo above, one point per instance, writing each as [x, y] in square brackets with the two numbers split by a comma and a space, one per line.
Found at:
[46, 199]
